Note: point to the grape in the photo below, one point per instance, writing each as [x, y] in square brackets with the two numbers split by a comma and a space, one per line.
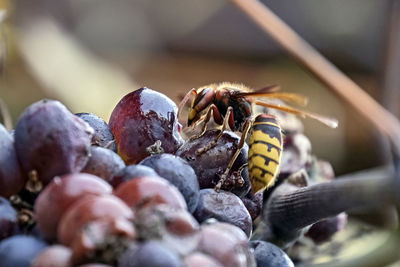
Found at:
[102, 136]
[141, 118]
[296, 154]
[220, 243]
[323, 231]
[147, 191]
[225, 207]
[95, 265]
[179, 173]
[88, 209]
[11, 178]
[209, 165]
[50, 140]
[269, 255]
[102, 240]
[53, 256]
[131, 172]
[199, 259]
[60, 194]
[151, 253]
[253, 204]
[19, 250]
[175, 228]
[103, 163]
[8, 219]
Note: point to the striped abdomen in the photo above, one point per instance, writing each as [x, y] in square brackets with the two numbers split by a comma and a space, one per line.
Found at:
[265, 149]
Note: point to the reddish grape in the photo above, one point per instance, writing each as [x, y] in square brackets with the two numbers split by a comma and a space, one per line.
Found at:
[88, 209]
[52, 141]
[60, 194]
[198, 259]
[175, 228]
[102, 240]
[141, 118]
[11, 178]
[53, 256]
[226, 247]
[179, 173]
[103, 163]
[147, 191]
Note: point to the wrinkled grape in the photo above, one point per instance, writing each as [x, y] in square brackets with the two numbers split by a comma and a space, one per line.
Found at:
[52, 141]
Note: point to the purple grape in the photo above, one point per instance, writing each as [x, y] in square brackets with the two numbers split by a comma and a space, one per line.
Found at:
[131, 172]
[8, 219]
[103, 136]
[20, 250]
[211, 164]
[179, 173]
[11, 178]
[103, 163]
[50, 140]
[225, 207]
[150, 253]
[323, 231]
[269, 255]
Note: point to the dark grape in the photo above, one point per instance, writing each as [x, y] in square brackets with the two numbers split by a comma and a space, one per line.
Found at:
[179, 173]
[209, 165]
[103, 163]
[147, 191]
[20, 250]
[130, 172]
[141, 118]
[88, 209]
[53, 256]
[198, 259]
[228, 248]
[11, 178]
[269, 255]
[50, 140]
[175, 228]
[8, 219]
[253, 204]
[151, 254]
[60, 194]
[225, 207]
[102, 136]
[323, 231]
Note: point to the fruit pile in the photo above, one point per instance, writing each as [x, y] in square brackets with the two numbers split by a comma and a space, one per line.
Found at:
[76, 191]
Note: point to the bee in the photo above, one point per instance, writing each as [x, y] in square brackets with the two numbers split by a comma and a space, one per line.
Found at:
[232, 105]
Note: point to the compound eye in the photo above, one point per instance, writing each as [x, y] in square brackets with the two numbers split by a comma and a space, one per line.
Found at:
[203, 99]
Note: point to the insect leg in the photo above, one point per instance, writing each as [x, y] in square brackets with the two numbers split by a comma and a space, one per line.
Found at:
[205, 120]
[224, 176]
[225, 124]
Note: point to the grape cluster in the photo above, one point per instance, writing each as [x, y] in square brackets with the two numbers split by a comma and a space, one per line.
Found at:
[76, 191]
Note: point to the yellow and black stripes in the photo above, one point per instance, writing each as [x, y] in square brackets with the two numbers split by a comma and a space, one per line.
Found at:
[265, 149]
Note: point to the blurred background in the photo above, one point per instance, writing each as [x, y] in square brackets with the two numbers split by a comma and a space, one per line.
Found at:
[89, 53]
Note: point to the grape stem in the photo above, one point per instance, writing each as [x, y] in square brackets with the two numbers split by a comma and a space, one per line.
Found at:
[290, 209]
